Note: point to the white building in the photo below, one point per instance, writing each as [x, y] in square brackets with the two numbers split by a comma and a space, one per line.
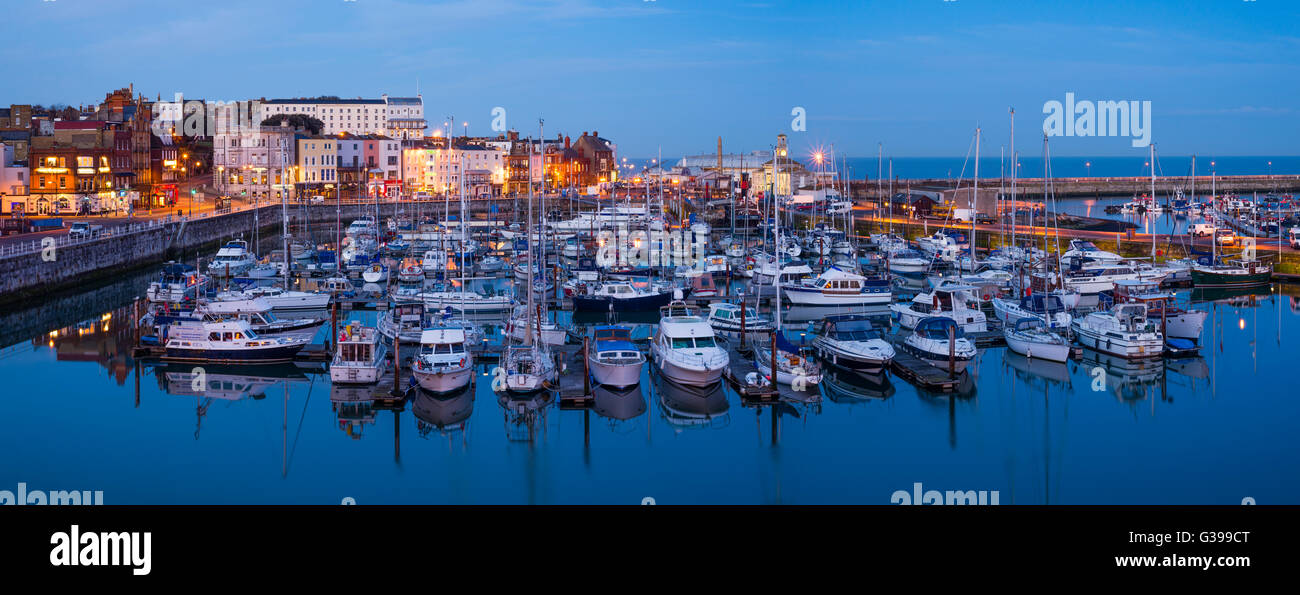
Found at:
[405, 117]
[254, 164]
[399, 117]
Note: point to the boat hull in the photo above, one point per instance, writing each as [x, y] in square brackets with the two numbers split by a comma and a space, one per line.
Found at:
[443, 381]
[279, 353]
[1057, 352]
[811, 296]
[619, 375]
[649, 303]
[1201, 278]
[356, 374]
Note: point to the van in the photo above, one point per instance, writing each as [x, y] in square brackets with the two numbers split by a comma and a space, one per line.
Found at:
[1197, 230]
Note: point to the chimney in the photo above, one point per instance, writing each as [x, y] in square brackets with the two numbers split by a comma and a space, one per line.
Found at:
[595, 134]
[566, 142]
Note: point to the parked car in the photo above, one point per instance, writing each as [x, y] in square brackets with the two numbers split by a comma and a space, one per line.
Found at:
[318, 199]
[1224, 237]
[1201, 229]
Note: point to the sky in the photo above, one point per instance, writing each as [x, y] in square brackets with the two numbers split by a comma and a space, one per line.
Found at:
[1222, 76]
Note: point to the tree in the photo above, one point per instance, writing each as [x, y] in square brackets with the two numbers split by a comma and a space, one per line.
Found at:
[297, 121]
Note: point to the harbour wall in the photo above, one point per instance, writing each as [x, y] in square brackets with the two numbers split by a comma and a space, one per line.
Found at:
[36, 270]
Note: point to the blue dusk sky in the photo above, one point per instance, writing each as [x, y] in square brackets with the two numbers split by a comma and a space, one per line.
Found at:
[1222, 76]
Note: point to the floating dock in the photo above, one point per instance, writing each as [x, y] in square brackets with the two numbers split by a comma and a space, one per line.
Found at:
[741, 367]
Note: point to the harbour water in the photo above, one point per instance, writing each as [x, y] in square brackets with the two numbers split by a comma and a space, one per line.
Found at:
[82, 414]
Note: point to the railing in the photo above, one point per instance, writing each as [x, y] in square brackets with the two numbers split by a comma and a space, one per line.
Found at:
[63, 241]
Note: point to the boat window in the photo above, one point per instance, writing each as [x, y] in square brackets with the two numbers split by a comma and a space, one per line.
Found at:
[458, 348]
[681, 343]
[214, 336]
[239, 335]
[225, 336]
[442, 348]
[705, 342]
[723, 314]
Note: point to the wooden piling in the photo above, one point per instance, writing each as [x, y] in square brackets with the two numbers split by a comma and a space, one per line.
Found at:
[586, 366]
[952, 351]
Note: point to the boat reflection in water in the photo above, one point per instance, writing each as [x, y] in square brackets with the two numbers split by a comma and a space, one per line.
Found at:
[879, 314]
[224, 381]
[845, 386]
[445, 414]
[618, 404]
[354, 406]
[1128, 379]
[1037, 372]
[524, 414]
[692, 406]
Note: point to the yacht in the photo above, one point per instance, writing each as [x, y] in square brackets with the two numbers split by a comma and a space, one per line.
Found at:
[621, 296]
[768, 274]
[1123, 331]
[685, 348]
[176, 284]
[519, 326]
[358, 357]
[444, 363]
[792, 367]
[1094, 279]
[727, 319]
[226, 341]
[956, 302]
[280, 300]
[835, 287]
[404, 321]
[232, 260]
[908, 262]
[614, 360]
[1232, 273]
[1031, 338]
[529, 369]
[434, 261]
[375, 273]
[852, 343]
[939, 341]
[1175, 322]
[1089, 252]
[362, 227]
[466, 301]
[1045, 307]
[940, 246]
[258, 313]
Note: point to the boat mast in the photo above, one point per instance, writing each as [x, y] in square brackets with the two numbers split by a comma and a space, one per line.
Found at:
[776, 304]
[528, 235]
[1153, 202]
[1014, 163]
[974, 199]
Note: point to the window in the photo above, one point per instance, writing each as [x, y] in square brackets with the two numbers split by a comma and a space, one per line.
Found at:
[681, 343]
[705, 342]
[214, 336]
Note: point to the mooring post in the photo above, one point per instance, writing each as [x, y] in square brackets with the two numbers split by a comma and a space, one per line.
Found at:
[774, 332]
[952, 351]
[586, 366]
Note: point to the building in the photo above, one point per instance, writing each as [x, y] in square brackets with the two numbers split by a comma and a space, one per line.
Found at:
[598, 155]
[71, 172]
[18, 141]
[429, 167]
[369, 165]
[16, 117]
[405, 117]
[255, 164]
[13, 182]
[317, 166]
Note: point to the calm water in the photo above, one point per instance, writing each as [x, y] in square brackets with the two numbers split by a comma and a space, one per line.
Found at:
[991, 167]
[1213, 429]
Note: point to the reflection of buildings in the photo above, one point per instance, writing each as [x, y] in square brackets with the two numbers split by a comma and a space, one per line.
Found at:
[106, 339]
